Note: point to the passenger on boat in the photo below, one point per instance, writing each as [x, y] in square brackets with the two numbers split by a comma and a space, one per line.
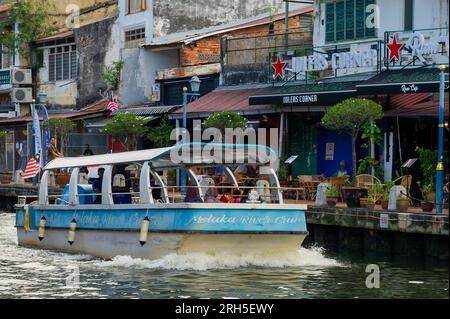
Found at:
[192, 196]
[226, 198]
[211, 196]
[237, 196]
[251, 194]
[97, 186]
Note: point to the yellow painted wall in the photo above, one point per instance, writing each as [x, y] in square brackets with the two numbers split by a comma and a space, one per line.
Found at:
[90, 11]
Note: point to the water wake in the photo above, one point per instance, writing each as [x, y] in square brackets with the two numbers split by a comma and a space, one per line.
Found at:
[312, 257]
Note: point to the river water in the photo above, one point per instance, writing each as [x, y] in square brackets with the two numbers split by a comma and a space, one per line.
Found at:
[310, 273]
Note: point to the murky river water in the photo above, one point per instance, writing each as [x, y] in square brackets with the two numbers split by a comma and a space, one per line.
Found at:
[27, 273]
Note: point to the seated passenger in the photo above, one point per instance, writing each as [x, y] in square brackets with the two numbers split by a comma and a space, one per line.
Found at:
[237, 196]
[211, 196]
[192, 196]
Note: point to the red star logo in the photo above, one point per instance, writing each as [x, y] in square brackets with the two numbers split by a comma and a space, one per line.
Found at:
[279, 68]
[394, 49]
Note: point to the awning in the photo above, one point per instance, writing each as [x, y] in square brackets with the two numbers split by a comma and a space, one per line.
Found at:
[162, 158]
[423, 80]
[306, 95]
[233, 100]
[424, 109]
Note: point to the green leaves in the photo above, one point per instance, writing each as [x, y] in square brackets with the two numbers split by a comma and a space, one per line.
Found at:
[60, 126]
[112, 73]
[225, 120]
[428, 161]
[352, 114]
[160, 135]
[126, 125]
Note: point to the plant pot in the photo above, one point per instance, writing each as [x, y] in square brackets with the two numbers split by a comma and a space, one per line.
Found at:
[370, 206]
[331, 201]
[403, 205]
[430, 197]
[385, 204]
[352, 195]
[427, 206]
[363, 202]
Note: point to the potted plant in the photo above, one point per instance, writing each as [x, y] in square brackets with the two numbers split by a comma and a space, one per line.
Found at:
[403, 203]
[332, 195]
[426, 189]
[428, 159]
[375, 194]
[385, 195]
[352, 195]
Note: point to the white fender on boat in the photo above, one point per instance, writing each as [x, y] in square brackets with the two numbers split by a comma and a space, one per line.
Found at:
[41, 231]
[73, 228]
[144, 231]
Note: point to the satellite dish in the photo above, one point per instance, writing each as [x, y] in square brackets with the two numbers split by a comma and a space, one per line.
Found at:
[101, 86]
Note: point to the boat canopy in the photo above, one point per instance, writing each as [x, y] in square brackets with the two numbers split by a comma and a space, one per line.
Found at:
[189, 154]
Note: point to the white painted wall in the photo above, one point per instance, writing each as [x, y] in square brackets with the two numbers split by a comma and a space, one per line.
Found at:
[427, 14]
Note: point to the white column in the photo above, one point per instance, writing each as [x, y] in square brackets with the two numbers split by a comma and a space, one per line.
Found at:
[145, 187]
[73, 188]
[107, 198]
[43, 189]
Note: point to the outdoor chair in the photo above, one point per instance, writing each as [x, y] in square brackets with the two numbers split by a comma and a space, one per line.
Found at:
[366, 180]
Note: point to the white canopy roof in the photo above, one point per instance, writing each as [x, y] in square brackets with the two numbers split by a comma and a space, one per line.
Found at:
[191, 154]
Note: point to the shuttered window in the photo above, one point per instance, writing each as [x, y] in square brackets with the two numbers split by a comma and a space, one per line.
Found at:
[134, 6]
[346, 20]
[62, 63]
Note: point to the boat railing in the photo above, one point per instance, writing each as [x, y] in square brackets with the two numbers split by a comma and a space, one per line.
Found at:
[175, 195]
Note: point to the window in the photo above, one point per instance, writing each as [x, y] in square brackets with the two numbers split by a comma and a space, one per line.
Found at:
[408, 15]
[62, 63]
[346, 20]
[134, 34]
[134, 6]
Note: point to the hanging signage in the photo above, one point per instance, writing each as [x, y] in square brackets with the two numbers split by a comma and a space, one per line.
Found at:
[329, 61]
[329, 152]
[418, 47]
[156, 92]
[305, 99]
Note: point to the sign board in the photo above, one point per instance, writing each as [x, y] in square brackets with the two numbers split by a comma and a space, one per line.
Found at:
[156, 92]
[329, 152]
[384, 221]
[413, 48]
[291, 159]
[409, 163]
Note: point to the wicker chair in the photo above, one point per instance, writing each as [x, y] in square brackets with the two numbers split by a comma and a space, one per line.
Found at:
[366, 180]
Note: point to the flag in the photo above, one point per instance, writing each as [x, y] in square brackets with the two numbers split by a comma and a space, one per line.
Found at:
[32, 168]
[44, 158]
[36, 131]
[113, 106]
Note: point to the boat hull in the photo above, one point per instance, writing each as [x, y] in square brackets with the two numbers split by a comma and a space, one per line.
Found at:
[108, 244]
[107, 232]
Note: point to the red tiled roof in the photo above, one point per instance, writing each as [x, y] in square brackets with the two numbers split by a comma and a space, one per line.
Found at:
[225, 100]
[57, 36]
[93, 109]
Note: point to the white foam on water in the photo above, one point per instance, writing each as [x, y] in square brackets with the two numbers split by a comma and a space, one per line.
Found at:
[313, 257]
[415, 282]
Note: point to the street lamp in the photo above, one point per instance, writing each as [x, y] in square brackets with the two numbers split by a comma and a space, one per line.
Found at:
[195, 83]
[440, 164]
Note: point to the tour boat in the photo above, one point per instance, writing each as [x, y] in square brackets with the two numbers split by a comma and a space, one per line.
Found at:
[151, 228]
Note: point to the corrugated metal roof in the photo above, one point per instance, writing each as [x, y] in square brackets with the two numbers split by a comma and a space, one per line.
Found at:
[57, 36]
[225, 100]
[149, 110]
[425, 109]
[195, 35]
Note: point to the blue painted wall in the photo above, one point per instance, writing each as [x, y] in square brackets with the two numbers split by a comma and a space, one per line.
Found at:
[342, 151]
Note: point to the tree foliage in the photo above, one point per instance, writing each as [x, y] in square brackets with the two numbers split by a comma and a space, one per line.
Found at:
[60, 128]
[428, 161]
[112, 74]
[127, 127]
[160, 135]
[32, 18]
[225, 120]
[352, 115]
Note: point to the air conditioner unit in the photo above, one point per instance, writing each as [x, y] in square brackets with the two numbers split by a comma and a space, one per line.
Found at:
[22, 95]
[21, 76]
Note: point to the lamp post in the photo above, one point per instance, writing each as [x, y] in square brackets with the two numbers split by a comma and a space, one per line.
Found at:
[440, 164]
[195, 83]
